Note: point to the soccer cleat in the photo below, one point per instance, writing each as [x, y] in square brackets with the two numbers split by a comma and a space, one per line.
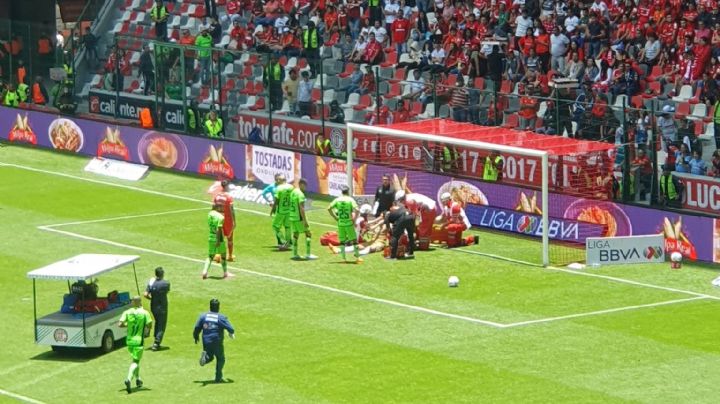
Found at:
[204, 275]
[127, 386]
[390, 258]
[409, 256]
[203, 359]
[476, 239]
[296, 258]
[138, 383]
[231, 259]
[155, 347]
[359, 260]
[311, 257]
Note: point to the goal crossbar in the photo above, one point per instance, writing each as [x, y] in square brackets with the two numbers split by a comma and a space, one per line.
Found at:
[542, 155]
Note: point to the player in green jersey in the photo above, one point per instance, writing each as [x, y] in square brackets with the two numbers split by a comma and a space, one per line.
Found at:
[281, 209]
[344, 210]
[216, 241]
[298, 220]
[138, 322]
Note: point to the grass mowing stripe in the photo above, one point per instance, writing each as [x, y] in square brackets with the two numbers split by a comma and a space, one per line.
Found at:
[111, 219]
[607, 311]
[283, 279]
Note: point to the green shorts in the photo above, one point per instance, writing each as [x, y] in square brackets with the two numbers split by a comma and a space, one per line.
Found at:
[298, 226]
[136, 352]
[280, 220]
[347, 234]
[212, 249]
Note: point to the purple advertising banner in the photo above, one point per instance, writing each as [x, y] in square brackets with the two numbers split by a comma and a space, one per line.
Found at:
[693, 235]
[215, 158]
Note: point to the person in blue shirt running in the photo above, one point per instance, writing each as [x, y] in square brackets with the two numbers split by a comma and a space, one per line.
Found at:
[213, 325]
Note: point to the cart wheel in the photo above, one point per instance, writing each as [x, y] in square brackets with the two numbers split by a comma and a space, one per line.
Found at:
[108, 342]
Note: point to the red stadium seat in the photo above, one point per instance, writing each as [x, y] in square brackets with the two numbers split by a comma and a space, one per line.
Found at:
[395, 91]
[259, 104]
[349, 68]
[682, 110]
[416, 108]
[696, 98]
[315, 95]
[479, 83]
[199, 12]
[365, 101]
[390, 59]
[398, 76]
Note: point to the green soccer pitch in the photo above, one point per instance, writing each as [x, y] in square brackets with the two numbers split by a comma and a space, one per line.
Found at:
[322, 331]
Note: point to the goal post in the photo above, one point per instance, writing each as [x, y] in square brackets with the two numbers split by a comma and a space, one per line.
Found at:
[383, 139]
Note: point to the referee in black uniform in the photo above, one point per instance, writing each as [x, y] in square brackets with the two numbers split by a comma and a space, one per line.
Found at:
[399, 221]
[157, 290]
[384, 197]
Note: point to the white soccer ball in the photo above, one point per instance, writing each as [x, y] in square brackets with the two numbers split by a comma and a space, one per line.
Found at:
[676, 257]
[453, 281]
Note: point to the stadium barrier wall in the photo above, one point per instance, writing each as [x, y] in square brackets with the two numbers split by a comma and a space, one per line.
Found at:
[490, 205]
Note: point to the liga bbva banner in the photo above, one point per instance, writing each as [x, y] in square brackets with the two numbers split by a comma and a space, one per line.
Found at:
[625, 250]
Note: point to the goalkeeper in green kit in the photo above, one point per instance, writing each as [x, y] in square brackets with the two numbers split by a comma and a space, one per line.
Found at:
[298, 220]
[281, 210]
[344, 209]
[137, 321]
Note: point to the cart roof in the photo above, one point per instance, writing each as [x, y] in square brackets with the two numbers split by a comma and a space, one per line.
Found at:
[82, 267]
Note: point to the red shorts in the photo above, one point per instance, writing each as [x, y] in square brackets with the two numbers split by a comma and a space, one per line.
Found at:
[228, 228]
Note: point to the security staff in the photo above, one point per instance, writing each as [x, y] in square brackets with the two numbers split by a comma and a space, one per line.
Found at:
[670, 188]
[212, 324]
[384, 196]
[159, 15]
[273, 76]
[213, 125]
[311, 46]
[401, 221]
[23, 91]
[322, 145]
[157, 290]
[492, 169]
[193, 116]
[11, 97]
[450, 159]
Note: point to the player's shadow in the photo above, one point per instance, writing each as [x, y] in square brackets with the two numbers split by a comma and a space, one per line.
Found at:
[136, 390]
[162, 348]
[204, 383]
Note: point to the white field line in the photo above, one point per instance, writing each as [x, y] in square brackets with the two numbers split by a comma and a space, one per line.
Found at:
[147, 191]
[19, 397]
[340, 291]
[283, 279]
[32, 381]
[111, 219]
[607, 311]
[592, 275]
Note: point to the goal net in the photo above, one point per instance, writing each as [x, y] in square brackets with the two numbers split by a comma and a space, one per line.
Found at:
[541, 190]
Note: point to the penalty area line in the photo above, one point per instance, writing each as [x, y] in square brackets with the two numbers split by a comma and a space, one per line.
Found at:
[284, 279]
[20, 397]
[606, 311]
[592, 275]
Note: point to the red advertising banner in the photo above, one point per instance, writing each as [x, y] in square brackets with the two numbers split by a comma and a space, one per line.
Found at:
[702, 194]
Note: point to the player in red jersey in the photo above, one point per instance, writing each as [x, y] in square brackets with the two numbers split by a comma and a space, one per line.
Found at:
[224, 199]
[453, 222]
[423, 208]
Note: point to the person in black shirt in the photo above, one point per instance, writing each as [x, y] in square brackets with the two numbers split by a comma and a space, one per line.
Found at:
[157, 290]
[384, 197]
[147, 70]
[400, 221]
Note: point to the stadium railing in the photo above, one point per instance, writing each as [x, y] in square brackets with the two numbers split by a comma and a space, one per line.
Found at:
[20, 44]
[235, 88]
